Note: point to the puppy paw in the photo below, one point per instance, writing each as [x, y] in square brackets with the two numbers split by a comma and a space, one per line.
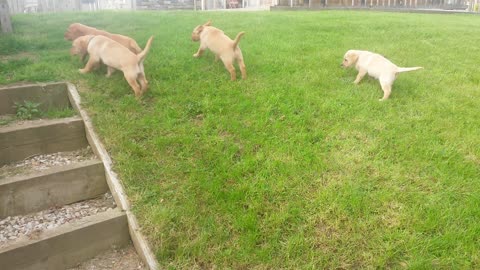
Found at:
[82, 70]
[195, 55]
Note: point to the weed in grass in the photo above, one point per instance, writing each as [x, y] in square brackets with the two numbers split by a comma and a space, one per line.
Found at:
[27, 110]
[59, 113]
[6, 119]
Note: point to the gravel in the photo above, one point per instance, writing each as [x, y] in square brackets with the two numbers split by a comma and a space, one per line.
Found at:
[47, 161]
[117, 259]
[29, 225]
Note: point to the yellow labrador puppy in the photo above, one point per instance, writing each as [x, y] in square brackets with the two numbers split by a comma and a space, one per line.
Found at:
[376, 66]
[222, 46]
[115, 56]
[76, 30]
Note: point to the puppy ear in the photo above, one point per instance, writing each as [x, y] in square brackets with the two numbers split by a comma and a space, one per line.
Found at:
[208, 23]
[81, 45]
[354, 57]
[351, 56]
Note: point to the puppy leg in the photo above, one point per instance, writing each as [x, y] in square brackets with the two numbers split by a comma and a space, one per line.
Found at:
[229, 66]
[200, 51]
[243, 69]
[110, 71]
[83, 56]
[386, 83]
[387, 90]
[143, 82]
[132, 81]
[360, 75]
[241, 64]
[92, 63]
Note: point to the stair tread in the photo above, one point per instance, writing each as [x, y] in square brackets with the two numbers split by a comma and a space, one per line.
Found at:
[46, 163]
[25, 124]
[31, 227]
[68, 245]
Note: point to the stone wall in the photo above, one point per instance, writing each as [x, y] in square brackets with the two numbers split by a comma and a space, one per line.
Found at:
[164, 4]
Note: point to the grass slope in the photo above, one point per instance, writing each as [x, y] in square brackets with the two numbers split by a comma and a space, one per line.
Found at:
[295, 167]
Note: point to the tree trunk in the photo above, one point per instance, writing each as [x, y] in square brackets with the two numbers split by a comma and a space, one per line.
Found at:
[5, 17]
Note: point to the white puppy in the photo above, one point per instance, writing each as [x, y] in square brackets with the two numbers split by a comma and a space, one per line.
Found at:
[376, 66]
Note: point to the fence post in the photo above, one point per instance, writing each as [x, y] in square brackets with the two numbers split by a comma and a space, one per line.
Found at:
[5, 20]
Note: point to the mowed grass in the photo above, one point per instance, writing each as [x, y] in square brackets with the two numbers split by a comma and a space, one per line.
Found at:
[295, 167]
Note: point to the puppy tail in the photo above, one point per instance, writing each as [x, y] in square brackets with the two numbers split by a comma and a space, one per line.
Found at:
[237, 39]
[141, 56]
[400, 69]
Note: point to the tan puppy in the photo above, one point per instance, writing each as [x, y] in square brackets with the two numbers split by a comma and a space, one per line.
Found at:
[221, 45]
[114, 56]
[76, 30]
[376, 66]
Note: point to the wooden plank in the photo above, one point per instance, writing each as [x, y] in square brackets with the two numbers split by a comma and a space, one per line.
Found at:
[66, 246]
[116, 187]
[20, 141]
[38, 191]
[49, 96]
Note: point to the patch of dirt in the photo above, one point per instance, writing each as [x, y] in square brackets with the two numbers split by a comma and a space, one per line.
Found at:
[117, 259]
[44, 162]
[6, 119]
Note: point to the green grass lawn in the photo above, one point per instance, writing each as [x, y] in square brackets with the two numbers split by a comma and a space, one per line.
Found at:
[295, 167]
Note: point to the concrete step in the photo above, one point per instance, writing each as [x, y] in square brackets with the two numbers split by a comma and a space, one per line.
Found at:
[19, 141]
[53, 187]
[68, 245]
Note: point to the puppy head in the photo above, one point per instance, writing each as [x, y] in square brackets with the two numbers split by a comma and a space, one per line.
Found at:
[80, 45]
[74, 31]
[349, 59]
[198, 30]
